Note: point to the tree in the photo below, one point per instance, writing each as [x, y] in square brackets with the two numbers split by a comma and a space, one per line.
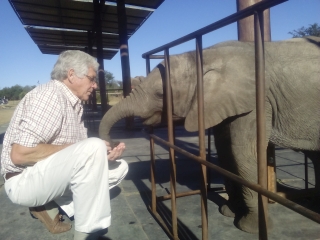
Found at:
[120, 83]
[110, 81]
[312, 30]
[15, 92]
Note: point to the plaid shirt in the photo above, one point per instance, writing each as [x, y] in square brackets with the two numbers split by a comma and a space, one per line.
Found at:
[50, 114]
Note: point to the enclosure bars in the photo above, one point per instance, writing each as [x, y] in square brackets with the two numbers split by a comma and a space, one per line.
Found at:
[201, 128]
[256, 187]
[261, 143]
[260, 132]
[261, 122]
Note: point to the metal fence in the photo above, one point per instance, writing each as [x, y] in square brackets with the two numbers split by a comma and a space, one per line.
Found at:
[261, 187]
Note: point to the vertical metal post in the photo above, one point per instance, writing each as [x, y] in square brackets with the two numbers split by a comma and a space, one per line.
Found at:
[171, 151]
[209, 158]
[306, 181]
[124, 54]
[202, 148]
[245, 25]
[97, 17]
[261, 123]
[153, 161]
[152, 176]
[93, 97]
[271, 159]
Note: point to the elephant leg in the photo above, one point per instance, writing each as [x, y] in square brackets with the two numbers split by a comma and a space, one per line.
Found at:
[244, 150]
[226, 161]
[314, 156]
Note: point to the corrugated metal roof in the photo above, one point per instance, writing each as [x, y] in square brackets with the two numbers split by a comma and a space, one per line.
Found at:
[65, 23]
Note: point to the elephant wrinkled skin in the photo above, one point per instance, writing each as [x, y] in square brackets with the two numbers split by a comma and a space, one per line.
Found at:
[292, 107]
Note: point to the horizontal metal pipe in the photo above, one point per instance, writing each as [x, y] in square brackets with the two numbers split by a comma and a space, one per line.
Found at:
[285, 202]
[156, 56]
[299, 193]
[183, 194]
[260, 6]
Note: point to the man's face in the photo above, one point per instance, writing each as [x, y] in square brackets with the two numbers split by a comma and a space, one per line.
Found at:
[84, 87]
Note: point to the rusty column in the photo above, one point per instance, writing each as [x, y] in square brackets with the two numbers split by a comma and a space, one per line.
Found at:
[257, 28]
[124, 54]
[202, 148]
[173, 180]
[245, 26]
[93, 97]
[261, 124]
[98, 5]
[246, 33]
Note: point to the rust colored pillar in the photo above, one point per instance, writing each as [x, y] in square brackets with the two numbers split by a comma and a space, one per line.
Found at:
[98, 5]
[271, 159]
[93, 97]
[245, 26]
[246, 33]
[124, 54]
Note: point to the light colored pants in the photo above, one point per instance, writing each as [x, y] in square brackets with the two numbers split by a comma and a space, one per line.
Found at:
[76, 178]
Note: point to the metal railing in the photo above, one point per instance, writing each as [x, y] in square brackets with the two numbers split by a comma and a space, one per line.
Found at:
[261, 187]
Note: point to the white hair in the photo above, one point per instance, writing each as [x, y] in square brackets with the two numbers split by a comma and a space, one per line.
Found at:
[77, 60]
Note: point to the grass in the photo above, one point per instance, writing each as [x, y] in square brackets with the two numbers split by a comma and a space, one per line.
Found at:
[6, 111]
[113, 99]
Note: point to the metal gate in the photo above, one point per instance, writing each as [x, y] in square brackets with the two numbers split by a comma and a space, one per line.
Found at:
[261, 187]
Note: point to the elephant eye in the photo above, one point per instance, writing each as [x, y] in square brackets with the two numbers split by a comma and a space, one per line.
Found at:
[159, 94]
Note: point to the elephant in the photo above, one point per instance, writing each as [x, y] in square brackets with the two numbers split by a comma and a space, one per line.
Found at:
[136, 81]
[292, 76]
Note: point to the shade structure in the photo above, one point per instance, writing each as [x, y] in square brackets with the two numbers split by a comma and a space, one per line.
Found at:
[57, 25]
[54, 41]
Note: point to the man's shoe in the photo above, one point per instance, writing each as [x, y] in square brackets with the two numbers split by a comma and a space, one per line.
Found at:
[54, 226]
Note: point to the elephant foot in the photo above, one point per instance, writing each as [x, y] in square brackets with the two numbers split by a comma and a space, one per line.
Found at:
[226, 211]
[250, 223]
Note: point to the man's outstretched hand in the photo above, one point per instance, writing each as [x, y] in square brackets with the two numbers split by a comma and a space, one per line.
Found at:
[114, 152]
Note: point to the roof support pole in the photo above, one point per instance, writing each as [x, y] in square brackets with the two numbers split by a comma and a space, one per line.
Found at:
[257, 29]
[97, 18]
[124, 54]
[93, 97]
[245, 25]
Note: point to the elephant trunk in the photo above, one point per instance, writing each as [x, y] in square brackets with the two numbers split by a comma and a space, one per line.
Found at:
[120, 110]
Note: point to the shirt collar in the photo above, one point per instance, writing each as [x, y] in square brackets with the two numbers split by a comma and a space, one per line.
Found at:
[72, 98]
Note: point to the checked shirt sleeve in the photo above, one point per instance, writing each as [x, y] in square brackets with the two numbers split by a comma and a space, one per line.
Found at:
[41, 120]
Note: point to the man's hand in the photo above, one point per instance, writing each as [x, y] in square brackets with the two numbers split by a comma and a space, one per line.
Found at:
[115, 152]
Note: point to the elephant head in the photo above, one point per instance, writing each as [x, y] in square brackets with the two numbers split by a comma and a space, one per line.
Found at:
[136, 81]
[228, 89]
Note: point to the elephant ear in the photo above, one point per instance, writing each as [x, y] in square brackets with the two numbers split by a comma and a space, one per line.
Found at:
[229, 90]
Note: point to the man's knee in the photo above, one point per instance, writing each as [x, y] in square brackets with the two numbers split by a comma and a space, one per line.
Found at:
[92, 144]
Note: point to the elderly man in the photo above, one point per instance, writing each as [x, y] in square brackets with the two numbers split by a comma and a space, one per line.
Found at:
[47, 159]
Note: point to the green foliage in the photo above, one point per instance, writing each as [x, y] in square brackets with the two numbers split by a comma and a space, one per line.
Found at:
[15, 92]
[98, 97]
[312, 30]
[110, 81]
[120, 84]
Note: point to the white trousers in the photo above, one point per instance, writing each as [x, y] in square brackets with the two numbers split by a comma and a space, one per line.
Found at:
[76, 178]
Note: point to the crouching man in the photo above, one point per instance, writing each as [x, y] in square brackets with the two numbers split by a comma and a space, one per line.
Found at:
[47, 159]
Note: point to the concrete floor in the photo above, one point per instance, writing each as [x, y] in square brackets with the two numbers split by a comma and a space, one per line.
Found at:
[131, 218]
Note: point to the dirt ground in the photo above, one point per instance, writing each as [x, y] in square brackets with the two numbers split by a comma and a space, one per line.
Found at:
[6, 111]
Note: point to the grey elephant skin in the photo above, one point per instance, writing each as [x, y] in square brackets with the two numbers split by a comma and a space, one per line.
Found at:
[292, 107]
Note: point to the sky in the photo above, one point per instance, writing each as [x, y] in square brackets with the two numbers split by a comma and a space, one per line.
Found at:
[22, 62]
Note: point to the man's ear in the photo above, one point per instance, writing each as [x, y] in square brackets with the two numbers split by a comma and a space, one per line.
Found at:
[71, 75]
